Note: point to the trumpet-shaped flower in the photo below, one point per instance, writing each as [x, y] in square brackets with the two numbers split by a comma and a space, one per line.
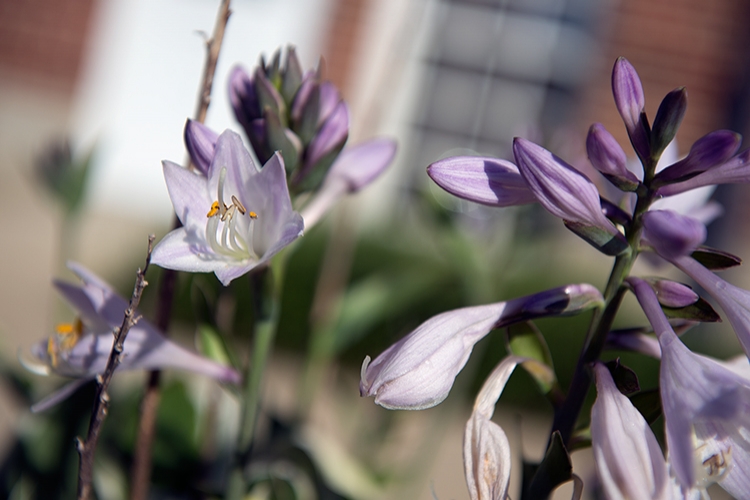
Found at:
[487, 457]
[733, 300]
[706, 409]
[628, 457]
[418, 371]
[234, 219]
[81, 349]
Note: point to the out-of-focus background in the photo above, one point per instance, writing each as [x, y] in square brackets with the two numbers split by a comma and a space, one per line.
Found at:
[119, 78]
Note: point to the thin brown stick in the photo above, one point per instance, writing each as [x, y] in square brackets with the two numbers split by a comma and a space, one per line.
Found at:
[141, 469]
[87, 448]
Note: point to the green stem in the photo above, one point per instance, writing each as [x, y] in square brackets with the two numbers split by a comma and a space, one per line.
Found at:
[267, 286]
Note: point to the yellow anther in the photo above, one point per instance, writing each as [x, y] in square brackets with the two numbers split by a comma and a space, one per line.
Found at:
[214, 209]
[237, 203]
[253, 215]
[70, 333]
[52, 351]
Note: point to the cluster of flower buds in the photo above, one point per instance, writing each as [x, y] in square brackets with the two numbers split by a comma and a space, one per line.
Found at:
[285, 109]
[663, 211]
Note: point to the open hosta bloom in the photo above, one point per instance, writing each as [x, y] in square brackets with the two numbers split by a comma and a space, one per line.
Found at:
[81, 350]
[234, 219]
[628, 457]
[487, 457]
[706, 410]
[418, 371]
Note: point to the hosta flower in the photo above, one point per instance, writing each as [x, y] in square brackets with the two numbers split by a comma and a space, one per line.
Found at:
[234, 219]
[607, 157]
[631, 101]
[706, 409]
[487, 457]
[733, 300]
[81, 349]
[627, 456]
[418, 371]
[672, 234]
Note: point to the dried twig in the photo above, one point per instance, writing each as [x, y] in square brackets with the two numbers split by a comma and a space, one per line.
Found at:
[141, 470]
[87, 447]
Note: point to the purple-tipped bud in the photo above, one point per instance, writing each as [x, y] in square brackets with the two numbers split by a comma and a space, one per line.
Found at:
[201, 144]
[709, 151]
[268, 96]
[671, 234]
[291, 78]
[734, 171]
[282, 139]
[668, 119]
[418, 371]
[489, 181]
[330, 98]
[673, 294]
[630, 102]
[607, 157]
[568, 194]
[325, 146]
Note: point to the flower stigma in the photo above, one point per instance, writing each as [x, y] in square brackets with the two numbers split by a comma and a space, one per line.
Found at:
[232, 239]
[712, 464]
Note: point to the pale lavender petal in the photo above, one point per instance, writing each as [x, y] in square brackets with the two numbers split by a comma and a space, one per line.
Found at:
[418, 371]
[361, 164]
[487, 458]
[58, 396]
[630, 101]
[201, 144]
[634, 341]
[304, 94]
[268, 195]
[561, 189]
[607, 157]
[627, 456]
[240, 167]
[733, 300]
[189, 195]
[181, 250]
[707, 152]
[734, 171]
[672, 234]
[489, 181]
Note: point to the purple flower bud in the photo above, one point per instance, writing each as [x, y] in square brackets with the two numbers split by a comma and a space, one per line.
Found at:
[201, 144]
[673, 294]
[326, 144]
[487, 457]
[734, 171]
[607, 157]
[268, 96]
[568, 194]
[668, 119]
[630, 102]
[418, 371]
[672, 234]
[706, 409]
[707, 152]
[628, 458]
[489, 181]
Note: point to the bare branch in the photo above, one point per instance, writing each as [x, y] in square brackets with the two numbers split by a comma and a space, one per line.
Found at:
[87, 448]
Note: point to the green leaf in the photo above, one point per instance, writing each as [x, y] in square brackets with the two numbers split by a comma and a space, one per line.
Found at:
[525, 340]
[554, 470]
[698, 311]
[212, 345]
[714, 259]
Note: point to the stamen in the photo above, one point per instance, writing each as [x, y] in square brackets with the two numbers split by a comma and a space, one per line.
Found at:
[237, 203]
[214, 209]
[253, 215]
[717, 465]
[52, 351]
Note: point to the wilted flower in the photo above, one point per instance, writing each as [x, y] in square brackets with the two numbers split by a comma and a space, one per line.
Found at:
[706, 409]
[234, 219]
[81, 349]
[628, 457]
[418, 371]
[487, 457]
